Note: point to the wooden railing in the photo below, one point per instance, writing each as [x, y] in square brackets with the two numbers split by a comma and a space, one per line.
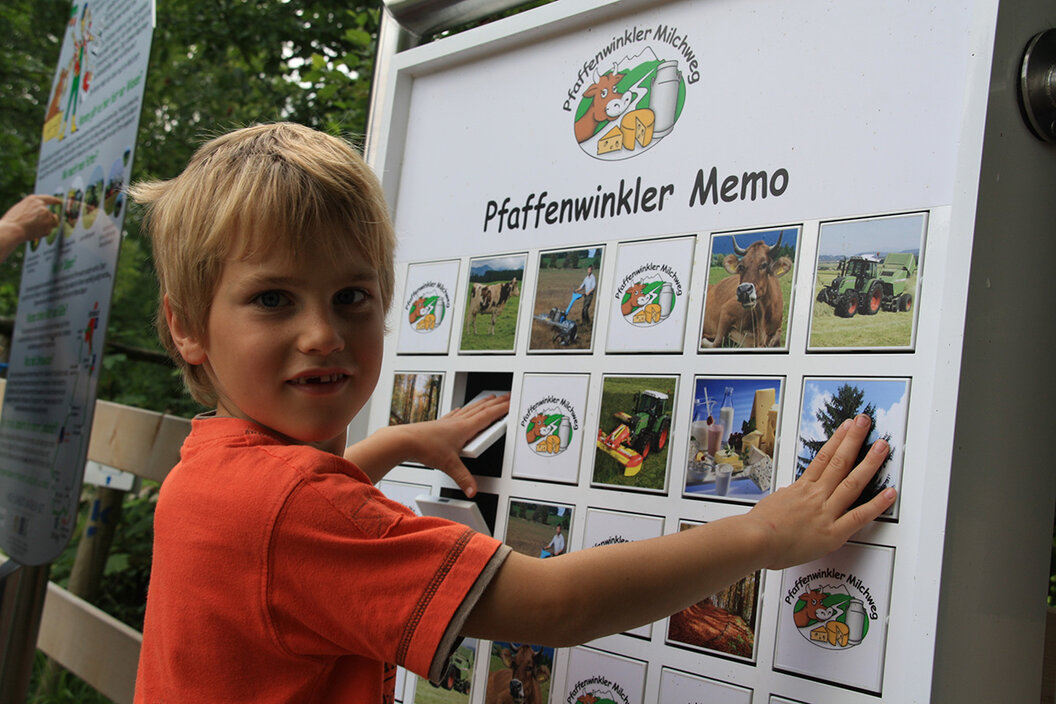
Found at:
[88, 642]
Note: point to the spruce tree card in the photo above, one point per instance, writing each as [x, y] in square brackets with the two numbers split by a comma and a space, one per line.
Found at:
[827, 402]
[548, 442]
[428, 308]
[648, 307]
[832, 617]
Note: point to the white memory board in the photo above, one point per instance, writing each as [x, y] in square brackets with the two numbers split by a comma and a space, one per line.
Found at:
[845, 110]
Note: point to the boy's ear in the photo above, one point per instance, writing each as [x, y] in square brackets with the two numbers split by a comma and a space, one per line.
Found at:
[188, 345]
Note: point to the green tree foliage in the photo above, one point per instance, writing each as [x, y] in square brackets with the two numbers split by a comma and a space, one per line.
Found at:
[214, 66]
[847, 403]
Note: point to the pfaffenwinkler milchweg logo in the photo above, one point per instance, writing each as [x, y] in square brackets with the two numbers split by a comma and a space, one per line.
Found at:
[628, 96]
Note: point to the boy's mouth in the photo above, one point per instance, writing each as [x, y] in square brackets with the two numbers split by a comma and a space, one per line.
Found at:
[317, 380]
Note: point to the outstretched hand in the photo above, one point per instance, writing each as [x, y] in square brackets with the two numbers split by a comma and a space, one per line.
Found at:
[438, 442]
[29, 219]
[810, 518]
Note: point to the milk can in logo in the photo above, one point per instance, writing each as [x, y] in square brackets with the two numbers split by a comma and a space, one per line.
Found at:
[427, 307]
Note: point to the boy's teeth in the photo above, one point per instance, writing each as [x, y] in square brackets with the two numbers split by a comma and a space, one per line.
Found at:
[318, 379]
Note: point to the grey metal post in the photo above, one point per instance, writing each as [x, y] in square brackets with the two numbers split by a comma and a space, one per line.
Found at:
[21, 605]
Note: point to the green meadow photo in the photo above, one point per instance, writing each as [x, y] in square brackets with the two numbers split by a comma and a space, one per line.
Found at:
[866, 283]
[492, 304]
[634, 427]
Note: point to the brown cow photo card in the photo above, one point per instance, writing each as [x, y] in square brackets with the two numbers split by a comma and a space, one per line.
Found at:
[748, 293]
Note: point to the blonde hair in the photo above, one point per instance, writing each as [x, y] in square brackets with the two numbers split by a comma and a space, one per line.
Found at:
[253, 191]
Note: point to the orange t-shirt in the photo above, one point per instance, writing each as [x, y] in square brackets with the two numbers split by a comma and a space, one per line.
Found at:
[281, 574]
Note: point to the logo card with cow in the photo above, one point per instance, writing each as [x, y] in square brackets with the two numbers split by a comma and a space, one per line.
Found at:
[632, 448]
[456, 683]
[564, 314]
[648, 306]
[596, 677]
[493, 301]
[519, 673]
[428, 308]
[683, 688]
[726, 622]
[832, 617]
[827, 402]
[539, 529]
[605, 527]
[867, 282]
[550, 436]
[749, 290]
[733, 437]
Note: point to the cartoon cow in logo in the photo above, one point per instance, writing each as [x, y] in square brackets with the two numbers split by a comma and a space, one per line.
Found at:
[814, 609]
[607, 104]
[635, 299]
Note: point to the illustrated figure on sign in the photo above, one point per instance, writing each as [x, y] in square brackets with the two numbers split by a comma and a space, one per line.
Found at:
[81, 76]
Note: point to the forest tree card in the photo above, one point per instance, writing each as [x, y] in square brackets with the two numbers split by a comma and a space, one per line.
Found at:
[428, 307]
[649, 303]
[725, 622]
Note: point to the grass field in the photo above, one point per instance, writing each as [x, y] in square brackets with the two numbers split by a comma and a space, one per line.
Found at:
[884, 329]
[554, 290]
[618, 395]
[505, 328]
[718, 273]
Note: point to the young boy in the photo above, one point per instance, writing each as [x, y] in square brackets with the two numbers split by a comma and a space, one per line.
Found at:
[280, 573]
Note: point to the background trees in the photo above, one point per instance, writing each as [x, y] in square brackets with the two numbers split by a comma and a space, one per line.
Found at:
[214, 66]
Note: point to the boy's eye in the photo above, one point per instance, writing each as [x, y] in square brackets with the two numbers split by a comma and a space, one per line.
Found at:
[271, 299]
[349, 296]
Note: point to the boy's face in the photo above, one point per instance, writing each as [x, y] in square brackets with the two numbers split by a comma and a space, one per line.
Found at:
[295, 347]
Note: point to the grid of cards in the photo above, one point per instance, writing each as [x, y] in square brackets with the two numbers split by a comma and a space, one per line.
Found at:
[661, 383]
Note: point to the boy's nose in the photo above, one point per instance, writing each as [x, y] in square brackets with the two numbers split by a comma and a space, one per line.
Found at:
[321, 334]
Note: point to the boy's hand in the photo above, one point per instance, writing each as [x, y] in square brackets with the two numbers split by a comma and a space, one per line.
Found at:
[809, 518]
[437, 443]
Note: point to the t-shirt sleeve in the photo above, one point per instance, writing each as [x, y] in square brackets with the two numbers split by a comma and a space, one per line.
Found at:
[349, 572]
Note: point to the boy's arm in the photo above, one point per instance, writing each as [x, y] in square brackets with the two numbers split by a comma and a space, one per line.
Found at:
[579, 596]
[434, 443]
